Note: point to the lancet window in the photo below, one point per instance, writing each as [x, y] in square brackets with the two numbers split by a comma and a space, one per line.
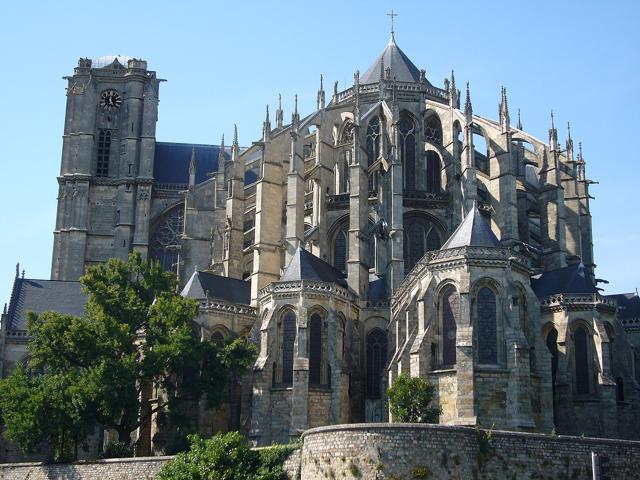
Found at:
[450, 313]
[104, 152]
[407, 131]
[581, 359]
[487, 326]
[316, 350]
[287, 330]
[373, 143]
[376, 360]
[421, 236]
[433, 172]
[433, 130]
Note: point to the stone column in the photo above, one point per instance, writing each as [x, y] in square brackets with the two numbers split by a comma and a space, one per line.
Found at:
[300, 392]
[396, 263]
[358, 277]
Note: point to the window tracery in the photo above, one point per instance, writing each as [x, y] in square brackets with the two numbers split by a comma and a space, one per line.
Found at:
[104, 152]
[421, 237]
[406, 129]
[433, 130]
[287, 330]
[376, 360]
[165, 243]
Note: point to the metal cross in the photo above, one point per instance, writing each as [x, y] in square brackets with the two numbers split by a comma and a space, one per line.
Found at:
[392, 14]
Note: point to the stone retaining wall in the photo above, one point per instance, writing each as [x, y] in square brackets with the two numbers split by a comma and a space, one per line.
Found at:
[141, 468]
[410, 451]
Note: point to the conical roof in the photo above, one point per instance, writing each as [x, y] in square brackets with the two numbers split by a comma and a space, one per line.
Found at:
[474, 231]
[306, 266]
[402, 69]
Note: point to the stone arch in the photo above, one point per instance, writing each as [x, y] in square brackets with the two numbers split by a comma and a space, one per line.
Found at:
[376, 359]
[319, 369]
[286, 333]
[219, 334]
[448, 308]
[338, 235]
[422, 234]
[433, 133]
[488, 321]
[582, 358]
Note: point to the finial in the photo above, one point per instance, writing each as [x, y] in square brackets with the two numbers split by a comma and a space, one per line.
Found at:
[392, 14]
[266, 127]
[335, 90]
[320, 102]
[468, 110]
[569, 130]
[279, 101]
[519, 126]
[295, 104]
[221, 158]
[356, 78]
[321, 81]
[580, 157]
[267, 115]
[552, 120]
[504, 111]
[235, 135]
[192, 163]
[553, 134]
[279, 112]
[23, 273]
[17, 269]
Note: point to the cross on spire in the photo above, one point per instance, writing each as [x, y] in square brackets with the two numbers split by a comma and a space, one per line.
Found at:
[392, 14]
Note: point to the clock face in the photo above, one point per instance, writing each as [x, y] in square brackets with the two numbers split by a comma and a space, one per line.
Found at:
[110, 99]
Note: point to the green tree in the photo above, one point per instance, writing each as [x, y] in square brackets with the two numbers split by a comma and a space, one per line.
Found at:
[137, 333]
[410, 400]
[226, 457]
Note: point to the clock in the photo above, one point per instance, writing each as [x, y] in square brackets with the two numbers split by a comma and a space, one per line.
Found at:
[110, 99]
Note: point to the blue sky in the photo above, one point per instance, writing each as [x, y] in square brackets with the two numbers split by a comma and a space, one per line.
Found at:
[224, 61]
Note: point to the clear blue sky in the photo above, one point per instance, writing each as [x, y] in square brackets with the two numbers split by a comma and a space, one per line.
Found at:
[224, 61]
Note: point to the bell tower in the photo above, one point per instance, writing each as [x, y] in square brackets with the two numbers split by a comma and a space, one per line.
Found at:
[106, 171]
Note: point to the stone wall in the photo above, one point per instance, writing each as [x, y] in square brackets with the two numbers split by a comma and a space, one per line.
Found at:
[406, 451]
[141, 468]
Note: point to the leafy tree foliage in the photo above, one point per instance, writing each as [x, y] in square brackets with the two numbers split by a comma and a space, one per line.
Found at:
[410, 400]
[137, 333]
[226, 457]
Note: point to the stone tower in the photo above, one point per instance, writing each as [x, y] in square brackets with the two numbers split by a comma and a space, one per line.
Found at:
[106, 171]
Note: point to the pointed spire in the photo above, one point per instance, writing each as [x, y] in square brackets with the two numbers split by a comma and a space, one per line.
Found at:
[519, 125]
[468, 109]
[235, 147]
[221, 157]
[505, 121]
[335, 92]
[320, 102]
[279, 112]
[266, 127]
[581, 163]
[17, 269]
[454, 93]
[569, 143]
[356, 90]
[192, 167]
[295, 116]
[553, 134]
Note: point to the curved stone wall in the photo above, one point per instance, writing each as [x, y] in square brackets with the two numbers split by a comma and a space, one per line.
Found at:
[415, 451]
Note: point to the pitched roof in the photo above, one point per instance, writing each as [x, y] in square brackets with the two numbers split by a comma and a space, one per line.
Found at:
[571, 279]
[203, 285]
[171, 161]
[474, 231]
[402, 69]
[30, 295]
[306, 266]
[629, 304]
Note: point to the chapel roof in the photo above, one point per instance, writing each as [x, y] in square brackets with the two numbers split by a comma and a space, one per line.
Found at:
[628, 304]
[569, 280]
[204, 285]
[306, 266]
[31, 295]
[474, 231]
[392, 57]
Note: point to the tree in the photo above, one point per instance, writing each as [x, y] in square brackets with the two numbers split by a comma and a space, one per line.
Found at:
[410, 399]
[137, 333]
[227, 457]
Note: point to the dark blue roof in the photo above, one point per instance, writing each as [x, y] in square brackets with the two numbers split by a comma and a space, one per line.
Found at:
[571, 280]
[203, 285]
[306, 266]
[629, 304]
[377, 287]
[42, 296]
[171, 161]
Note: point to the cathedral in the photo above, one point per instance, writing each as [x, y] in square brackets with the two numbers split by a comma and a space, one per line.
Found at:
[390, 231]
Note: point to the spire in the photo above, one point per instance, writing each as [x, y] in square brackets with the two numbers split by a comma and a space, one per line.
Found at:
[505, 121]
[569, 143]
[455, 93]
[192, 167]
[221, 158]
[17, 269]
[320, 104]
[266, 127]
[468, 109]
[519, 125]
[235, 147]
[553, 134]
[295, 116]
[581, 163]
[473, 231]
[356, 89]
[392, 14]
[279, 113]
[335, 92]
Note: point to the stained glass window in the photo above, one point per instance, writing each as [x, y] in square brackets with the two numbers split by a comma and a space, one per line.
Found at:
[420, 237]
[450, 315]
[315, 350]
[487, 326]
[433, 130]
[433, 172]
[288, 341]
[376, 360]
[406, 129]
[165, 242]
[340, 250]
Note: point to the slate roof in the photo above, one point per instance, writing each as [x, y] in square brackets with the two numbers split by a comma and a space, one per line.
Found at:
[629, 304]
[203, 285]
[377, 287]
[171, 161]
[30, 295]
[571, 280]
[474, 231]
[306, 266]
[402, 69]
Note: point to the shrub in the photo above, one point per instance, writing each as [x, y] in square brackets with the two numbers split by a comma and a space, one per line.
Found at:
[226, 457]
[118, 450]
[410, 399]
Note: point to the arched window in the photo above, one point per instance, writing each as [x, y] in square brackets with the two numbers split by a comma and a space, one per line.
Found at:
[165, 239]
[487, 326]
[407, 131]
[581, 359]
[315, 349]
[344, 184]
[217, 337]
[433, 130]
[376, 360]
[288, 339]
[552, 345]
[104, 152]
[433, 172]
[611, 335]
[619, 389]
[420, 237]
[450, 316]
[373, 150]
[340, 243]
